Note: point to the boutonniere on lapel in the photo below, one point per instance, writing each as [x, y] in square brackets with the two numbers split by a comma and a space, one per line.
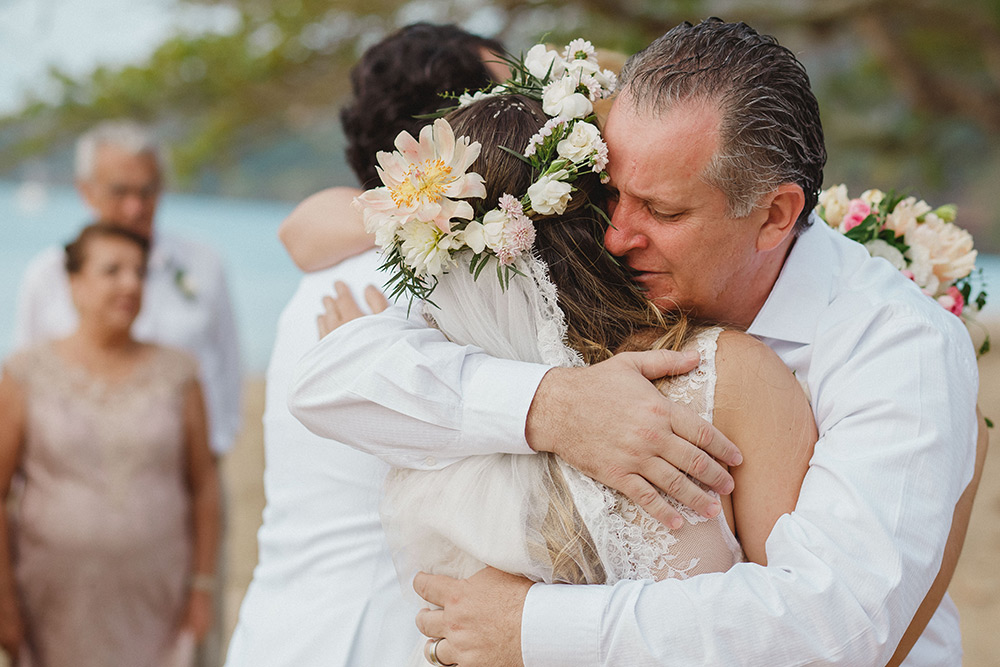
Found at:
[185, 284]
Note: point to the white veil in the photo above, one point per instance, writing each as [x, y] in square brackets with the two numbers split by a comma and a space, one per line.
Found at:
[495, 509]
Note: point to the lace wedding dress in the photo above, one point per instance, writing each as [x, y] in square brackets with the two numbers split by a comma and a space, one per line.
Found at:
[535, 515]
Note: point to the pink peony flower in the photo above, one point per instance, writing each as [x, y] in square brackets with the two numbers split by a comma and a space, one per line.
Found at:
[952, 300]
[857, 211]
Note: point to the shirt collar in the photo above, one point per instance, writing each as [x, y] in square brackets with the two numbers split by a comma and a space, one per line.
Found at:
[802, 291]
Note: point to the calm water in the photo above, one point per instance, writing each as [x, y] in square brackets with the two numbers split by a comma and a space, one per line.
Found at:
[261, 277]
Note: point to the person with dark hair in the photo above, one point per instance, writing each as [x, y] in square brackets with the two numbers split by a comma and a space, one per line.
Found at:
[715, 155]
[324, 591]
[113, 490]
[397, 81]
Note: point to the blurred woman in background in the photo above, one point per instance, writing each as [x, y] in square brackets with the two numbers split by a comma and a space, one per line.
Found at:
[110, 552]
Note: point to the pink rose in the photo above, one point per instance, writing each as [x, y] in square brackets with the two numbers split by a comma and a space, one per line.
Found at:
[857, 211]
[952, 300]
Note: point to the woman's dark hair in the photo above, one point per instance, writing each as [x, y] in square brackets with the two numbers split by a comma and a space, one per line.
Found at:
[404, 76]
[604, 309]
[76, 250]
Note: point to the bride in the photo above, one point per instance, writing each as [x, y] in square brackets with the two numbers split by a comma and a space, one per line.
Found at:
[509, 257]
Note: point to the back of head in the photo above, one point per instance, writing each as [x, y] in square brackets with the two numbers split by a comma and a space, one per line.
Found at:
[128, 136]
[602, 306]
[403, 76]
[770, 130]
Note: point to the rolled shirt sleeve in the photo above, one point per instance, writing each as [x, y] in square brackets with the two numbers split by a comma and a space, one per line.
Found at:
[391, 386]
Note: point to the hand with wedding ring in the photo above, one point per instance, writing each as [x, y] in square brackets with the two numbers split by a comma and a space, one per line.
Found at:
[343, 308]
[474, 622]
[432, 653]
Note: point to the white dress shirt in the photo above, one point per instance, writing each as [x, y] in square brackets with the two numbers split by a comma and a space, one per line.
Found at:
[185, 304]
[324, 591]
[893, 384]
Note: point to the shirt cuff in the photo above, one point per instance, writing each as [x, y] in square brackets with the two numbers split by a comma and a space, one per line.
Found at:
[560, 625]
[497, 398]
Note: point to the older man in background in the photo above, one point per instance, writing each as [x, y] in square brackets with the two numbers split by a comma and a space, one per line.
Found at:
[186, 304]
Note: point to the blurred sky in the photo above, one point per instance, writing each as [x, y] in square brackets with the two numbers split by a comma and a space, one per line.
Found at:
[78, 35]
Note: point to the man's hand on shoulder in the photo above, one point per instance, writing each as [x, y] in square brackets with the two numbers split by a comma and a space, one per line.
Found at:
[609, 421]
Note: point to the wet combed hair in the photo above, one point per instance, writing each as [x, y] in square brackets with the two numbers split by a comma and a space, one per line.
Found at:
[770, 131]
[76, 250]
[404, 76]
[603, 307]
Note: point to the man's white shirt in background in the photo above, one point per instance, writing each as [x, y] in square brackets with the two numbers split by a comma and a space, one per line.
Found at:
[893, 384]
[324, 591]
[185, 304]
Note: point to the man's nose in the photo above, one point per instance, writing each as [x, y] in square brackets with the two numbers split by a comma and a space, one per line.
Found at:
[133, 206]
[622, 234]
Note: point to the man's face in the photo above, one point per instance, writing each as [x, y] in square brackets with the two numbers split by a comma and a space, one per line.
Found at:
[124, 189]
[669, 225]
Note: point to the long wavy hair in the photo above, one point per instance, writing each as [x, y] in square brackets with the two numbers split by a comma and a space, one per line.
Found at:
[605, 311]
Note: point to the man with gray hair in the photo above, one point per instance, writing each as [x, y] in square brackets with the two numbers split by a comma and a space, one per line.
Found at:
[715, 161]
[186, 303]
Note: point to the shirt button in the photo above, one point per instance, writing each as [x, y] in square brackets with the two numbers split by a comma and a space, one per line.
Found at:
[430, 461]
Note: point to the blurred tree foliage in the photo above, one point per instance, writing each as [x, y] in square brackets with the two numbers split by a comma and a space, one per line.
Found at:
[910, 89]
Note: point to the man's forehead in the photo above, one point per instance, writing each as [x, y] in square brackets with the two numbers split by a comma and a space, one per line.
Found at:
[657, 156]
[115, 164]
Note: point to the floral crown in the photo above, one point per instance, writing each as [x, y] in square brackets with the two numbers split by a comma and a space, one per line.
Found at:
[419, 216]
[922, 243]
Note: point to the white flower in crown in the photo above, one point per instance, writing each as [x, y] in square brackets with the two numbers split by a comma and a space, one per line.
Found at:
[486, 234]
[561, 98]
[542, 62]
[424, 179]
[426, 249]
[581, 143]
[543, 133]
[580, 49]
[550, 193]
[465, 99]
[505, 230]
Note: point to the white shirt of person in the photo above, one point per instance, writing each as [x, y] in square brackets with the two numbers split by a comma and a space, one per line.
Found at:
[185, 304]
[324, 592]
[893, 381]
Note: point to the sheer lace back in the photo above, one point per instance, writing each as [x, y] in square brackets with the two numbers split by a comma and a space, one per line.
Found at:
[629, 541]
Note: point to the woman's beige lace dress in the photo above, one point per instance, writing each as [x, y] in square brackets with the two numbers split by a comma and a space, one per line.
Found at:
[101, 514]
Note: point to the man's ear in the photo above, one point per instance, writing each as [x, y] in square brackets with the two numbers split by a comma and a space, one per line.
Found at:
[783, 206]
